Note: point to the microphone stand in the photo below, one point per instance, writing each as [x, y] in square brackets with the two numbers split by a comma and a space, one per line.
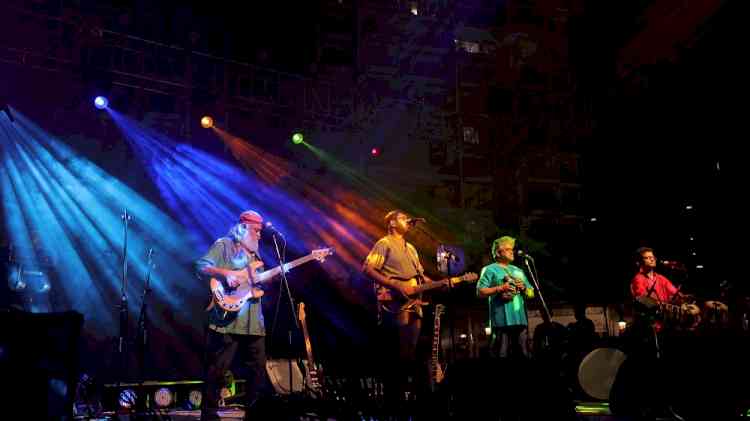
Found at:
[285, 287]
[546, 315]
[548, 326]
[142, 332]
[657, 347]
[122, 338]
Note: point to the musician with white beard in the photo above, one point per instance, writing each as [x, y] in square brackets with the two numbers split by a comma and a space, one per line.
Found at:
[233, 334]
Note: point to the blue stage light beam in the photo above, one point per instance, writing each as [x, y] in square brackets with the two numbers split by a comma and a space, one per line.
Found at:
[74, 208]
[207, 194]
[204, 192]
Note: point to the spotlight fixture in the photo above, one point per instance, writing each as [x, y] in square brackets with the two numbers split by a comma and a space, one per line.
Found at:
[298, 138]
[207, 122]
[101, 102]
[127, 398]
[375, 151]
[195, 398]
[163, 397]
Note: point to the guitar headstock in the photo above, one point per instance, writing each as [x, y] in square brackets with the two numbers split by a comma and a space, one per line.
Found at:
[439, 310]
[321, 254]
[301, 312]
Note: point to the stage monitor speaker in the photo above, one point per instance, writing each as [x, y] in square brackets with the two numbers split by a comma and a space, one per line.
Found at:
[39, 362]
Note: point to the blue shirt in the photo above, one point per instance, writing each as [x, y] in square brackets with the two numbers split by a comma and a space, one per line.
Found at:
[504, 313]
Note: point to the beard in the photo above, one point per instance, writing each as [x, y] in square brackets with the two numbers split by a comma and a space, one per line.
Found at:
[250, 243]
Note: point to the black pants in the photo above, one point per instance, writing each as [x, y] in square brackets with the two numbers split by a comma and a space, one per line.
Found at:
[402, 372]
[221, 350]
[510, 342]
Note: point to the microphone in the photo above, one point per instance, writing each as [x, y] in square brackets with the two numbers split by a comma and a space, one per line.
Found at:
[269, 226]
[672, 264]
[525, 255]
[447, 255]
[413, 221]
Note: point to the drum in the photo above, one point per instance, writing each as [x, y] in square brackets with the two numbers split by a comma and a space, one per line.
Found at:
[278, 374]
[598, 370]
[715, 314]
[690, 316]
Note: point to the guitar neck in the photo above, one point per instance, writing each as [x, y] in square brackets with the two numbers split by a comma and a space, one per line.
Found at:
[265, 276]
[433, 285]
[308, 346]
[436, 339]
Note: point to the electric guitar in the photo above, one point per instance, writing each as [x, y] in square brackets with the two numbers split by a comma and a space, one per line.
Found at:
[232, 298]
[393, 301]
[437, 371]
[313, 373]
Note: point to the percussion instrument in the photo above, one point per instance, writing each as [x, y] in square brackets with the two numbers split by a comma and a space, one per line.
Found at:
[598, 370]
[685, 316]
[715, 314]
[278, 374]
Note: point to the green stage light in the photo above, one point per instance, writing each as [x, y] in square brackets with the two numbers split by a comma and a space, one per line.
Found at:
[297, 138]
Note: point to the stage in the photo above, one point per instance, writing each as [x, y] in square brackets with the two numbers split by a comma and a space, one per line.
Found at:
[586, 411]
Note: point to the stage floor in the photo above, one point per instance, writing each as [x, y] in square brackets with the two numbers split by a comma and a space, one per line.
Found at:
[587, 411]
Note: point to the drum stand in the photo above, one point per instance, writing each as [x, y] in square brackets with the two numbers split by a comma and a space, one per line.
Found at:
[657, 347]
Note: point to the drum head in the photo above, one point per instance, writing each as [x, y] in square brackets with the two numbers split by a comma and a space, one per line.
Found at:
[278, 374]
[598, 370]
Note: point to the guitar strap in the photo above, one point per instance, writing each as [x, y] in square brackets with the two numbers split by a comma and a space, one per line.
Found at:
[413, 258]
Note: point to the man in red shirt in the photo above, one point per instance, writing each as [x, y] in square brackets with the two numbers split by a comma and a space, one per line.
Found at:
[649, 283]
[636, 391]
